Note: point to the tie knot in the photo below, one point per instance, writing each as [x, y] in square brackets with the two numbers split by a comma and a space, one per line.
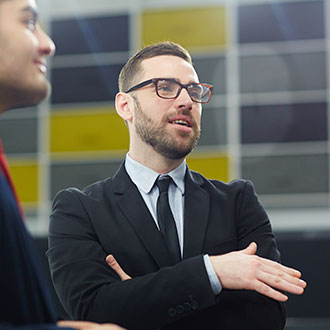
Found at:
[163, 182]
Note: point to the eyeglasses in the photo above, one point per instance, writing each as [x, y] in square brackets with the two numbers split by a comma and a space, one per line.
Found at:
[167, 88]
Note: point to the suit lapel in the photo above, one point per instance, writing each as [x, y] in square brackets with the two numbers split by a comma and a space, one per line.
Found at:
[132, 205]
[196, 212]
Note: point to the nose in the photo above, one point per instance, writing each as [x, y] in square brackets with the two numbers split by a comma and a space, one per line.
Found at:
[46, 44]
[184, 100]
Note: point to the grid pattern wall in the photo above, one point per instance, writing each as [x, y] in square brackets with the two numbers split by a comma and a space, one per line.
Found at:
[268, 120]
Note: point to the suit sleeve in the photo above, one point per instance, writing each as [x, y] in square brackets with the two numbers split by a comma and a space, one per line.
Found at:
[90, 290]
[253, 225]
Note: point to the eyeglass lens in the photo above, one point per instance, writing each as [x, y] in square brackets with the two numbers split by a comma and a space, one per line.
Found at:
[171, 88]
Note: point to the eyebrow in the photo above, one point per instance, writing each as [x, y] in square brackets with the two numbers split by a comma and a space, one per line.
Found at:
[30, 10]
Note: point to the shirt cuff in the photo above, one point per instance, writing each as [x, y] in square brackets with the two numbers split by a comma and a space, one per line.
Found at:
[215, 283]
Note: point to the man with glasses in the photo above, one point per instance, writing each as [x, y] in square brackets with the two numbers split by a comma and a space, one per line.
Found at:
[193, 253]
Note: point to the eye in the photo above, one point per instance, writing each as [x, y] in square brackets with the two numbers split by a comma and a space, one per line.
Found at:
[166, 86]
[31, 24]
[195, 91]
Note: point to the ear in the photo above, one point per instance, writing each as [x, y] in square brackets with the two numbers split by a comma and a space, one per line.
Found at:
[124, 106]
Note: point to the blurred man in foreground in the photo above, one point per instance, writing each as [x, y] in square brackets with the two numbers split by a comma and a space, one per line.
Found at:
[25, 301]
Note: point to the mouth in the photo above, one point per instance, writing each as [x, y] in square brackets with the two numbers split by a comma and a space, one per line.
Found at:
[180, 122]
[41, 66]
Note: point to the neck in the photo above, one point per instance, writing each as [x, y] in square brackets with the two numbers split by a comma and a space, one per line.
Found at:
[155, 161]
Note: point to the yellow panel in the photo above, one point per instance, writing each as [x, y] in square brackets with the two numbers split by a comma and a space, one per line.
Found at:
[92, 129]
[190, 27]
[25, 177]
[210, 165]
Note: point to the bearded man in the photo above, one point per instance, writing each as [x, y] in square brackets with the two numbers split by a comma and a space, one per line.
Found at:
[186, 252]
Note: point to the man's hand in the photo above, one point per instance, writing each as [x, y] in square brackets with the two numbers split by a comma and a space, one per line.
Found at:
[245, 270]
[84, 325]
[112, 262]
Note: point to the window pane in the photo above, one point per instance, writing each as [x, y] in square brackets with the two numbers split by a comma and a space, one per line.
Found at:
[283, 72]
[85, 84]
[214, 129]
[213, 71]
[19, 135]
[287, 174]
[80, 175]
[281, 21]
[91, 34]
[284, 123]
[190, 27]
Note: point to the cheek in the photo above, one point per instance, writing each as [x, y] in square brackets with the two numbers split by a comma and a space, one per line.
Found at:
[30, 42]
[197, 116]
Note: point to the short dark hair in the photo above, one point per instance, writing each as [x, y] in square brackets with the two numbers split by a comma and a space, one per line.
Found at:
[133, 66]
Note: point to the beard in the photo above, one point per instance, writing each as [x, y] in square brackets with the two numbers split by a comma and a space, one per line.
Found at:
[160, 139]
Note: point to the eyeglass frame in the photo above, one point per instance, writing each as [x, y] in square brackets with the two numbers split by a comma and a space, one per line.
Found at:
[185, 86]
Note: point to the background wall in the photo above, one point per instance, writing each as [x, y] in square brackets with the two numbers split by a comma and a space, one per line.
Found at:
[268, 120]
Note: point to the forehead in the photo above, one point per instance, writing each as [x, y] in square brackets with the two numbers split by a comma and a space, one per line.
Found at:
[168, 66]
[16, 7]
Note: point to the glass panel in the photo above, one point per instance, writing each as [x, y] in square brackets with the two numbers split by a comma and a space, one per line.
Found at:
[281, 21]
[210, 165]
[81, 174]
[85, 84]
[190, 27]
[19, 135]
[213, 71]
[89, 130]
[214, 128]
[283, 72]
[91, 34]
[284, 123]
[287, 174]
[25, 177]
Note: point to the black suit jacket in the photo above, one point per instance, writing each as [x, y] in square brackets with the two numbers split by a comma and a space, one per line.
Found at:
[110, 216]
[25, 302]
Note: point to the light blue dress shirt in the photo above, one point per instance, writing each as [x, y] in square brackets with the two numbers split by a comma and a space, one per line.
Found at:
[144, 178]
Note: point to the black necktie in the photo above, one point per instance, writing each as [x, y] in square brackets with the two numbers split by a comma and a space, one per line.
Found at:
[165, 219]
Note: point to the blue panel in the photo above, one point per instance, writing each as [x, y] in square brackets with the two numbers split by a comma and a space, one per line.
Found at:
[284, 123]
[85, 84]
[91, 34]
[281, 21]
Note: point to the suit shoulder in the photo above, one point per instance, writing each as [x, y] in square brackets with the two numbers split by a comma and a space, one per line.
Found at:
[234, 185]
[94, 190]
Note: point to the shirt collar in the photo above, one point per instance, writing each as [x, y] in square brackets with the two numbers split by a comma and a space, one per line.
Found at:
[145, 178]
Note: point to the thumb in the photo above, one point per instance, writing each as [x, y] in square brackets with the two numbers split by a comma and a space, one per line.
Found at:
[251, 249]
[112, 262]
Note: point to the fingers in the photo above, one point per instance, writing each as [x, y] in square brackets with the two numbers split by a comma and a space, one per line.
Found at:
[288, 270]
[268, 291]
[75, 324]
[251, 249]
[112, 262]
[85, 325]
[245, 270]
[282, 277]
